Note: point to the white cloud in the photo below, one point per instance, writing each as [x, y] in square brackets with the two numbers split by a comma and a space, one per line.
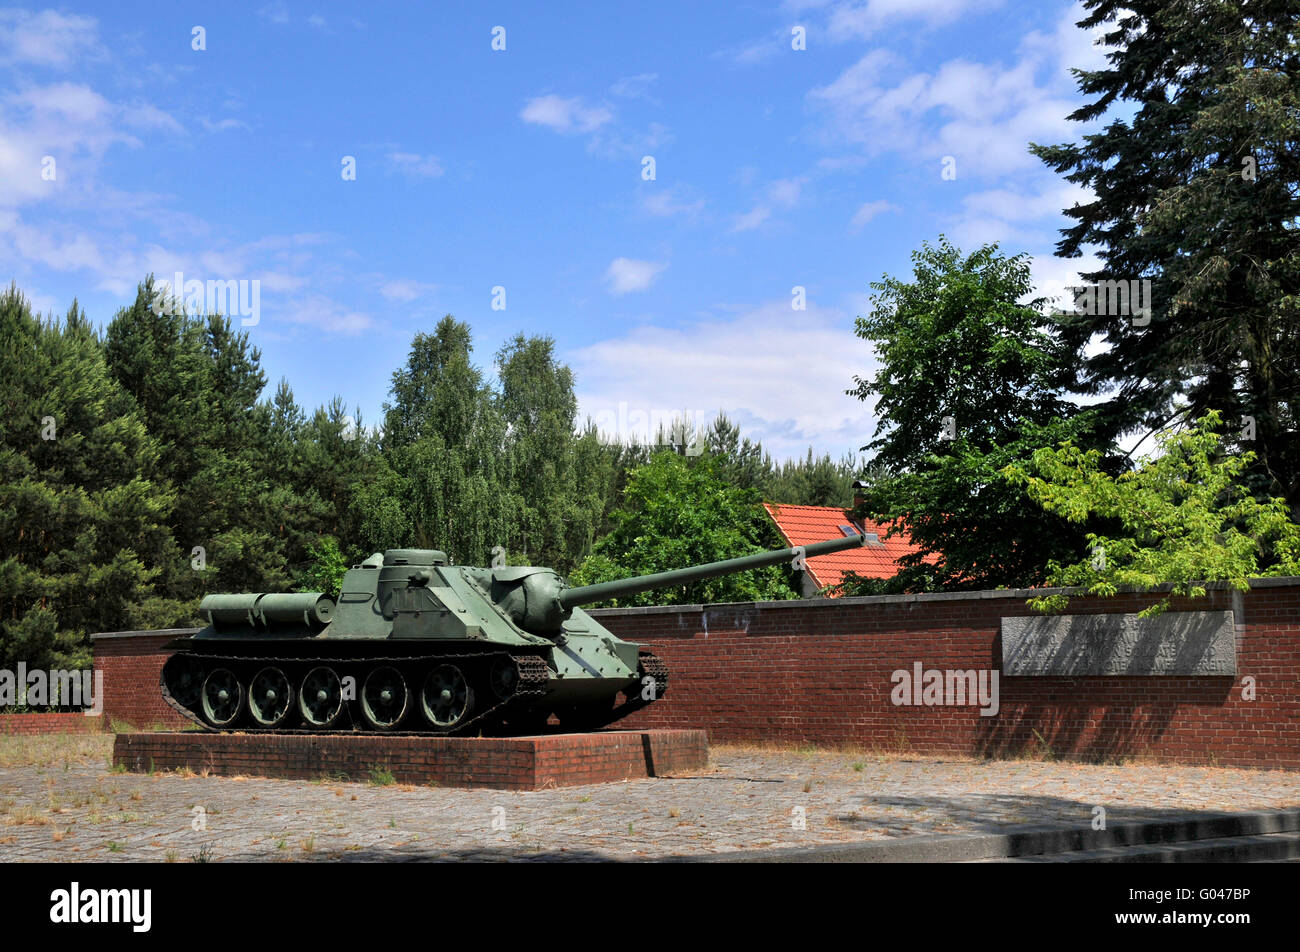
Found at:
[785, 192]
[780, 374]
[145, 116]
[854, 20]
[74, 102]
[277, 12]
[222, 125]
[782, 193]
[625, 275]
[416, 166]
[72, 124]
[1020, 215]
[614, 144]
[46, 38]
[869, 210]
[322, 313]
[634, 87]
[668, 203]
[565, 115]
[982, 114]
[752, 219]
[757, 51]
[403, 290]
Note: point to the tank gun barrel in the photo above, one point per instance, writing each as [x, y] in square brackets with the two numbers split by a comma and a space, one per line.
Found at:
[587, 594]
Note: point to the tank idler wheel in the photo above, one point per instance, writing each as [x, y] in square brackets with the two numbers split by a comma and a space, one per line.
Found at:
[384, 698]
[270, 697]
[320, 700]
[446, 698]
[222, 697]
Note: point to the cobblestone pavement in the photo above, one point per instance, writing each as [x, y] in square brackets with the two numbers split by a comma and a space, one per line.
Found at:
[64, 804]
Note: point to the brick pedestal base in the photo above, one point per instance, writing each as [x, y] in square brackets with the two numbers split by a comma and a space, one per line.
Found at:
[513, 763]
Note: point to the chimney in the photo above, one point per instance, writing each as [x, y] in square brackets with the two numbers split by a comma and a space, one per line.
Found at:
[858, 499]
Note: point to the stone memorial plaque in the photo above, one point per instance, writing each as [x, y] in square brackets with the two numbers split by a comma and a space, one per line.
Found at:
[1175, 643]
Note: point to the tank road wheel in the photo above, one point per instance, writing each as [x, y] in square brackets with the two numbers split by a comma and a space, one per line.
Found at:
[383, 698]
[321, 698]
[222, 697]
[504, 677]
[446, 697]
[270, 697]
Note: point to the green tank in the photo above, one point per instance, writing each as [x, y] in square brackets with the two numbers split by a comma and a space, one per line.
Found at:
[417, 645]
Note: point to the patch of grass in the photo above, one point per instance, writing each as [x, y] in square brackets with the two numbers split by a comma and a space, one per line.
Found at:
[858, 766]
[115, 847]
[381, 775]
[55, 750]
[336, 776]
[309, 844]
[674, 812]
[204, 855]
[172, 856]
[27, 815]
[1046, 751]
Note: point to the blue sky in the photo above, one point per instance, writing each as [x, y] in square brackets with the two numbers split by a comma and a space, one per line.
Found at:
[523, 169]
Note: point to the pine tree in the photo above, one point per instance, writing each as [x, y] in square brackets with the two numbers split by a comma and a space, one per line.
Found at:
[1197, 189]
[84, 504]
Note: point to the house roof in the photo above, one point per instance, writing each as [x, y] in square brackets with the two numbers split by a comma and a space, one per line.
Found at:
[803, 525]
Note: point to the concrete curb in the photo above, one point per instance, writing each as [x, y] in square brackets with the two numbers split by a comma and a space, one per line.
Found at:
[1044, 840]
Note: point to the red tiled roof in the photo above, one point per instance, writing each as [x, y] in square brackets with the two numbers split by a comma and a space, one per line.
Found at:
[803, 525]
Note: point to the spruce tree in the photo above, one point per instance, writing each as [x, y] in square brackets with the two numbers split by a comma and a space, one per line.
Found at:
[1197, 181]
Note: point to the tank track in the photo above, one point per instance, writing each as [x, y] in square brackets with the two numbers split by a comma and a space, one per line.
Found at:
[533, 676]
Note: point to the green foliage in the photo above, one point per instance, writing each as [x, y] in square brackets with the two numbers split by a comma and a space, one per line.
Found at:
[969, 382]
[812, 481]
[327, 568]
[1196, 176]
[678, 514]
[84, 502]
[853, 584]
[1182, 518]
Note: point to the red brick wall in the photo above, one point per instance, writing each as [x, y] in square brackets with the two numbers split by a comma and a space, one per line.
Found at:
[820, 672]
[53, 722]
[132, 664]
[517, 763]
